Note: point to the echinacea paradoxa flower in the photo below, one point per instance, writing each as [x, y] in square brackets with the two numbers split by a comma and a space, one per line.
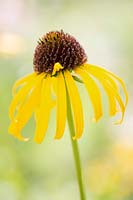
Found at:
[59, 61]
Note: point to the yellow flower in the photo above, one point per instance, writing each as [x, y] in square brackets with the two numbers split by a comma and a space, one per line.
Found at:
[59, 60]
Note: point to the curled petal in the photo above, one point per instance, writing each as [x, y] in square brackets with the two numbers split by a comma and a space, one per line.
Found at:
[111, 90]
[102, 77]
[117, 97]
[26, 110]
[57, 68]
[19, 97]
[23, 80]
[15, 131]
[92, 68]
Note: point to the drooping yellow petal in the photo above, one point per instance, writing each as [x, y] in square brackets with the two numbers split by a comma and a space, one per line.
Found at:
[54, 85]
[93, 92]
[43, 112]
[32, 99]
[112, 92]
[15, 131]
[76, 104]
[116, 96]
[52, 102]
[101, 76]
[24, 114]
[20, 96]
[122, 84]
[23, 80]
[61, 106]
[112, 102]
[90, 67]
[105, 77]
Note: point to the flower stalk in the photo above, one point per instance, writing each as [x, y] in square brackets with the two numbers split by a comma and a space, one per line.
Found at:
[75, 148]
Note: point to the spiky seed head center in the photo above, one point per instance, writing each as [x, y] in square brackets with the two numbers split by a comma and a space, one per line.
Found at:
[58, 47]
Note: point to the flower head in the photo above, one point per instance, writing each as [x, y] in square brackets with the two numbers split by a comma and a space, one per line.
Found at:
[58, 47]
[59, 60]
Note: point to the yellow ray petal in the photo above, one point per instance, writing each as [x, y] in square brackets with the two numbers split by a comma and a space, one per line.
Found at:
[112, 102]
[76, 104]
[20, 96]
[23, 80]
[15, 131]
[52, 102]
[93, 92]
[111, 91]
[116, 95]
[89, 67]
[27, 109]
[122, 84]
[43, 112]
[110, 87]
[101, 76]
[61, 106]
[54, 85]
[37, 111]
[31, 102]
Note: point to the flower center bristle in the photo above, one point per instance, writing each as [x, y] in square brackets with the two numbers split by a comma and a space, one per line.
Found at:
[58, 47]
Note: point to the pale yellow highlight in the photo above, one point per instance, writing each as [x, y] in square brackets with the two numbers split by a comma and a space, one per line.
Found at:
[57, 68]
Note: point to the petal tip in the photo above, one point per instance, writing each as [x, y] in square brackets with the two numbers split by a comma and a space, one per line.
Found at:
[56, 137]
[97, 118]
[37, 140]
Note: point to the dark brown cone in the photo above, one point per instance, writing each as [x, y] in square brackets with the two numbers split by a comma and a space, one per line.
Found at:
[58, 47]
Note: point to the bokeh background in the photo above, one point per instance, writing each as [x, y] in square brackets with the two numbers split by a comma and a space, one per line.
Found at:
[36, 172]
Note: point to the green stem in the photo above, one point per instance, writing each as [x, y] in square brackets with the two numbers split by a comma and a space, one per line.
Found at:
[75, 148]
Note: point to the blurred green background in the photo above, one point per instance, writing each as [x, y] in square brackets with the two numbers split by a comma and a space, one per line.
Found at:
[36, 172]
